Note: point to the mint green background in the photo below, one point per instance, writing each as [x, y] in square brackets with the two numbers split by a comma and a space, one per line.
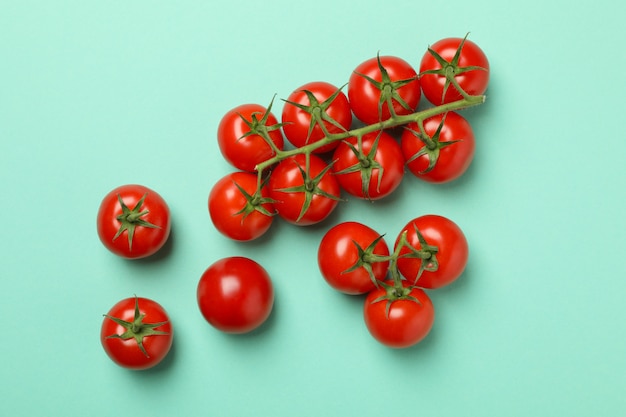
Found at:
[97, 94]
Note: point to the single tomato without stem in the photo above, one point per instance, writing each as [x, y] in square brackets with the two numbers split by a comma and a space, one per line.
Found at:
[133, 221]
[136, 333]
[235, 295]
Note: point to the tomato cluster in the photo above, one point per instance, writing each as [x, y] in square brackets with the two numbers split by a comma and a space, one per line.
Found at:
[329, 142]
[430, 252]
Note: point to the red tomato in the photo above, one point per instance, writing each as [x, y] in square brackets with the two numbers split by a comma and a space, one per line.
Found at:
[398, 318]
[133, 221]
[380, 83]
[347, 258]
[313, 111]
[136, 333]
[450, 259]
[457, 57]
[235, 295]
[302, 196]
[451, 151]
[243, 136]
[237, 210]
[373, 170]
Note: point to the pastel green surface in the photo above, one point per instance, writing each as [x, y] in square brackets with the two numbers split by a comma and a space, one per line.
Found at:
[97, 94]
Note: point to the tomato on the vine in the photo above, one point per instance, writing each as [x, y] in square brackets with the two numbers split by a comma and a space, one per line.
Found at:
[349, 258]
[444, 243]
[133, 221]
[457, 58]
[443, 151]
[136, 333]
[235, 295]
[314, 111]
[238, 209]
[380, 84]
[371, 169]
[398, 317]
[304, 193]
[244, 135]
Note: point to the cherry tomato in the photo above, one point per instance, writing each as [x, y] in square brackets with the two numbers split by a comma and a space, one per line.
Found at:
[398, 320]
[237, 210]
[243, 134]
[136, 333]
[446, 264]
[372, 170]
[133, 221]
[457, 57]
[380, 83]
[303, 194]
[235, 295]
[451, 151]
[313, 111]
[347, 258]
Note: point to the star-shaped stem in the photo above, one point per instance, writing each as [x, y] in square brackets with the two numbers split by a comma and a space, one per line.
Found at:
[137, 329]
[388, 90]
[259, 127]
[366, 164]
[393, 293]
[432, 145]
[254, 202]
[366, 257]
[130, 219]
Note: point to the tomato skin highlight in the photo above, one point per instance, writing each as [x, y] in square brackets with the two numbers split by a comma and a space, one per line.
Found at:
[297, 121]
[407, 323]
[226, 202]
[364, 97]
[472, 82]
[288, 204]
[338, 252]
[245, 153]
[126, 353]
[452, 255]
[388, 155]
[146, 240]
[454, 159]
[235, 295]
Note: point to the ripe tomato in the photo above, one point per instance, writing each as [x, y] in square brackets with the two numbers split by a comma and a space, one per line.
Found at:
[303, 197]
[372, 170]
[240, 136]
[347, 258]
[133, 221]
[136, 333]
[398, 318]
[451, 151]
[380, 83]
[313, 111]
[235, 295]
[457, 57]
[450, 259]
[237, 210]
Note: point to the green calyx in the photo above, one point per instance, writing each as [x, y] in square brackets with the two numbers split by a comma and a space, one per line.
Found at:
[427, 253]
[254, 202]
[366, 258]
[393, 293]
[131, 218]
[432, 145]
[137, 329]
[310, 187]
[450, 69]
[319, 112]
[388, 90]
[366, 164]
